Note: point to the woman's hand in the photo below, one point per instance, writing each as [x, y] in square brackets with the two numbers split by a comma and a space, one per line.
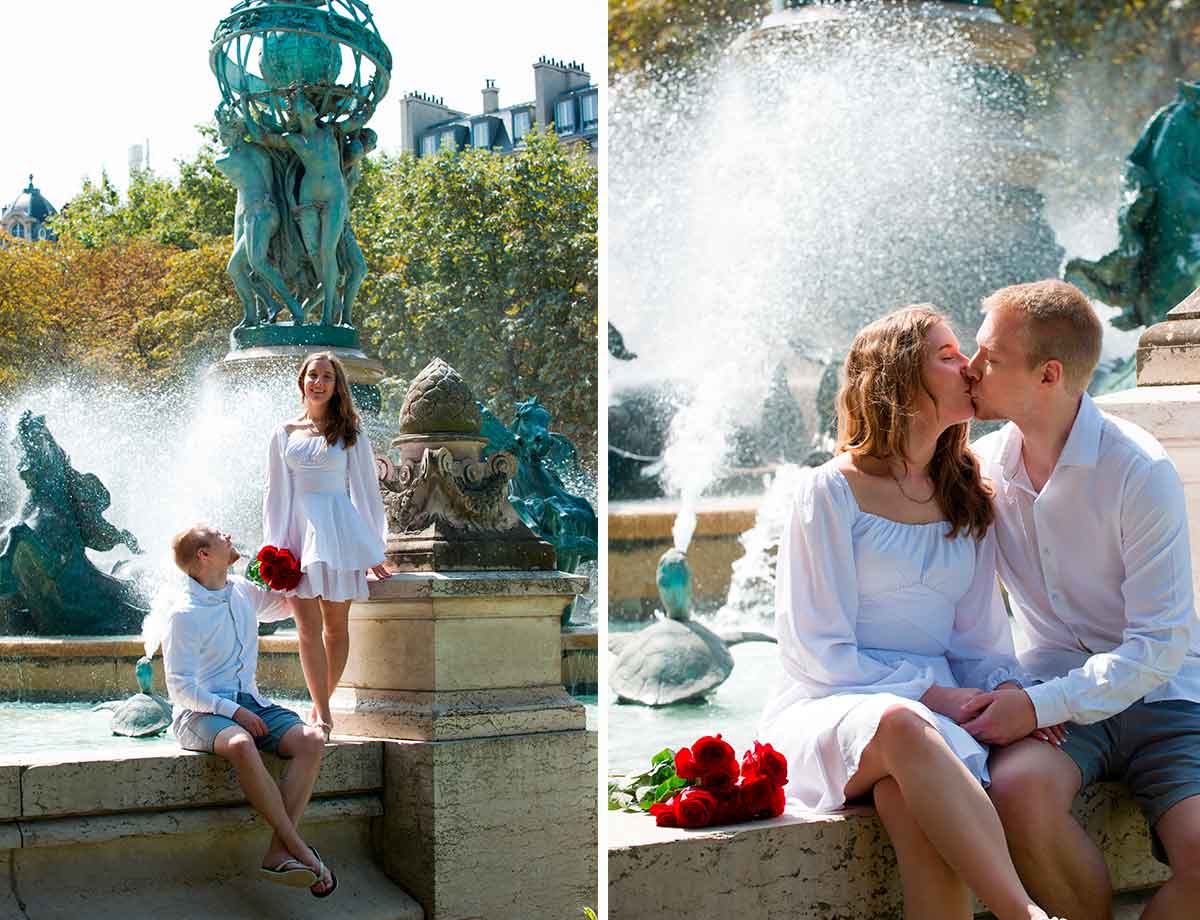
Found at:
[950, 701]
[1052, 734]
[379, 571]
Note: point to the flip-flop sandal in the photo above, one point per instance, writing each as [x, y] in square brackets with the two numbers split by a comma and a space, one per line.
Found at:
[290, 872]
[332, 878]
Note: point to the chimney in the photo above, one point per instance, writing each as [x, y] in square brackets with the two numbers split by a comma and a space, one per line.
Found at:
[491, 98]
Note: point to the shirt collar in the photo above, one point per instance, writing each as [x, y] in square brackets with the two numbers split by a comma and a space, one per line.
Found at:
[206, 597]
[1083, 443]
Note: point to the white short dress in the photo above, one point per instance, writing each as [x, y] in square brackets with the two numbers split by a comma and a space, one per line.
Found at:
[870, 613]
[322, 503]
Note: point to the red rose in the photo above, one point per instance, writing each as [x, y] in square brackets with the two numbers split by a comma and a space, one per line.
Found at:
[764, 760]
[268, 571]
[756, 796]
[721, 780]
[664, 814]
[290, 580]
[285, 559]
[714, 757]
[694, 807]
[729, 808]
[685, 764]
[267, 554]
[778, 802]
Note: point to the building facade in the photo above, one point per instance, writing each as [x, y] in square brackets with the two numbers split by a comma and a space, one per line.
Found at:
[563, 97]
[26, 218]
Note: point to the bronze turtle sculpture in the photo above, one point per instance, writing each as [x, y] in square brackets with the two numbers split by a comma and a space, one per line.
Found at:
[677, 658]
[142, 715]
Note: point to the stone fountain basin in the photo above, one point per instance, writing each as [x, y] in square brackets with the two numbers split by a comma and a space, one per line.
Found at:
[170, 834]
[88, 669]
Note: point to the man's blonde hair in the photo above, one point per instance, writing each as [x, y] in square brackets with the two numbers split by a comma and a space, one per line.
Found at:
[1059, 323]
[187, 543]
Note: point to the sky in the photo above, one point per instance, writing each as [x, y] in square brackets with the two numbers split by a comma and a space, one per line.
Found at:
[84, 80]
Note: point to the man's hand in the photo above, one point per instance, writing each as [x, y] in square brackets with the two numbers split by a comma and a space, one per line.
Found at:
[249, 721]
[951, 701]
[1000, 717]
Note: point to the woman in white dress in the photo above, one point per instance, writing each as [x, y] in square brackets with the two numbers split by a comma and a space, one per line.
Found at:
[889, 621]
[322, 503]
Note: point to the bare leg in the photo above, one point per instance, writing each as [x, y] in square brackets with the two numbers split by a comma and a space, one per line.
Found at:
[1033, 786]
[333, 219]
[259, 231]
[356, 272]
[307, 613]
[238, 271]
[305, 745]
[1179, 831]
[948, 805]
[335, 615]
[931, 888]
[236, 746]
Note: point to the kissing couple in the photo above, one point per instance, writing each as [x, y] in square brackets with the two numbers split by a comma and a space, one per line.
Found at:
[900, 683]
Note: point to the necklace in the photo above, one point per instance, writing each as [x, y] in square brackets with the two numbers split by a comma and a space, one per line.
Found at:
[916, 501]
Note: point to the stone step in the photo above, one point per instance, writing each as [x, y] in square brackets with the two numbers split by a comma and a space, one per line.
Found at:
[172, 833]
[199, 863]
[814, 867]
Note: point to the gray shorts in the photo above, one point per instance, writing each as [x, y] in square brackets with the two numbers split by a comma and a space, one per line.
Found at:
[1154, 748]
[197, 731]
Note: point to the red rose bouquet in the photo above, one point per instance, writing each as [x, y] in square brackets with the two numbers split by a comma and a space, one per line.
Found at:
[705, 785]
[275, 568]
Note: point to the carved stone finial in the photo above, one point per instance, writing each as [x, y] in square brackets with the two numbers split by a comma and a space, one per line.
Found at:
[1168, 352]
[447, 505]
[439, 402]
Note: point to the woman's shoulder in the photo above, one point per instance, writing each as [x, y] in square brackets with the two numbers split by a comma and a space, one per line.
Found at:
[826, 485]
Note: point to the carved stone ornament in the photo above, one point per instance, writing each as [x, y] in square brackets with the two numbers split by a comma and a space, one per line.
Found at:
[437, 491]
[448, 507]
[439, 402]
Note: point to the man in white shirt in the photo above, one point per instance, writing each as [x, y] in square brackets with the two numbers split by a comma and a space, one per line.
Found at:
[210, 655]
[1093, 550]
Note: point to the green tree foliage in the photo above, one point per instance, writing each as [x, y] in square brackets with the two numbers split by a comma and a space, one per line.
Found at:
[485, 260]
[186, 213]
[649, 34]
[488, 262]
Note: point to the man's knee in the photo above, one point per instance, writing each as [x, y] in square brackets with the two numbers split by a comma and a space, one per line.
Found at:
[304, 741]
[237, 746]
[1032, 783]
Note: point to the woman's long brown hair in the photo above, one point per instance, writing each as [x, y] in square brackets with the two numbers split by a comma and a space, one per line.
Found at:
[884, 376]
[341, 418]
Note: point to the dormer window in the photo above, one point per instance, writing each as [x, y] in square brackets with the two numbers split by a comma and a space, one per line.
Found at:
[481, 135]
[564, 116]
[43, 233]
[589, 110]
[428, 145]
[522, 123]
[18, 231]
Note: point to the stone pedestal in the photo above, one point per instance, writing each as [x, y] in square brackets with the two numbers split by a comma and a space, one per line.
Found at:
[1166, 402]
[438, 657]
[490, 773]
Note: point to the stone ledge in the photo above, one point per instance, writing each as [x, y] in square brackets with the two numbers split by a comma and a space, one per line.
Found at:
[157, 781]
[93, 829]
[815, 867]
[404, 585]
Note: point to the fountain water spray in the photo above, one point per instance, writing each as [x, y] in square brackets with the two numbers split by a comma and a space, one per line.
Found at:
[771, 204]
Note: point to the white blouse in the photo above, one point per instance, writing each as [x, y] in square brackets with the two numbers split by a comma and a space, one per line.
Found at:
[865, 604]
